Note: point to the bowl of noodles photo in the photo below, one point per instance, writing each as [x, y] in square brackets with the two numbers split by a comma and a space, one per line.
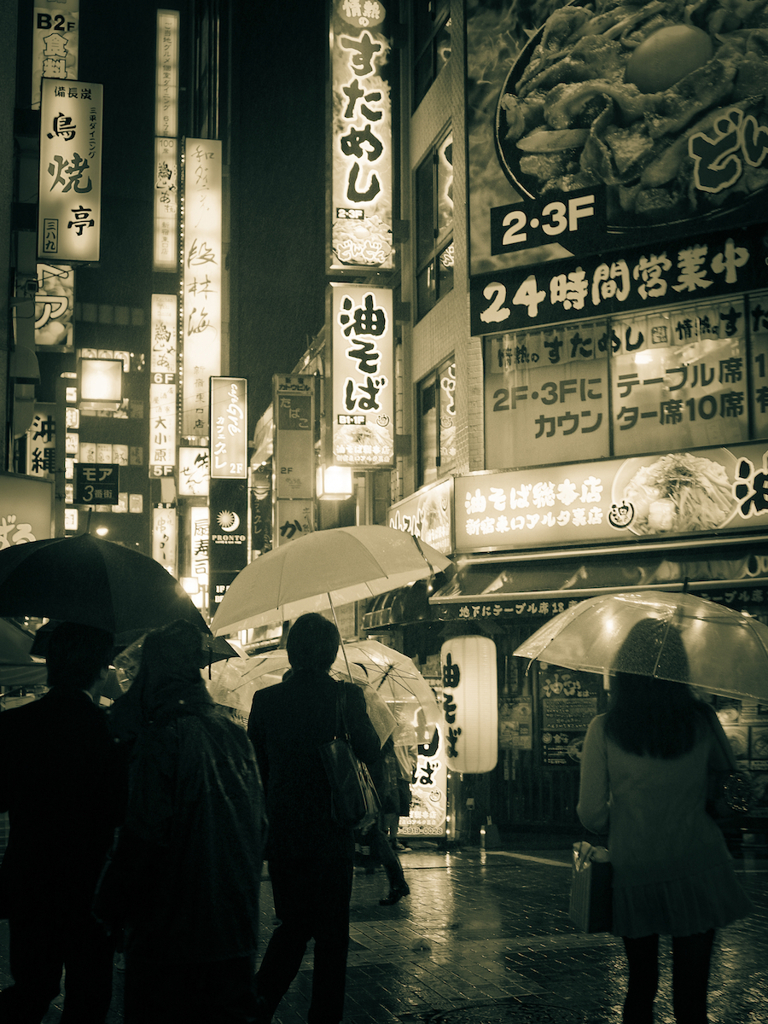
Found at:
[677, 493]
[632, 97]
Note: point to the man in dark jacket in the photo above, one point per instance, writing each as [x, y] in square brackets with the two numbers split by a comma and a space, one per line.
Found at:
[310, 856]
[62, 784]
[185, 876]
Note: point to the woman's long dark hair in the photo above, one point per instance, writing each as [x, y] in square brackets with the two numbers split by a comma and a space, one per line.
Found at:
[647, 715]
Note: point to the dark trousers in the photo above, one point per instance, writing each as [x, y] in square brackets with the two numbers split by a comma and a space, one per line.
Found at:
[382, 848]
[691, 956]
[158, 992]
[41, 946]
[312, 902]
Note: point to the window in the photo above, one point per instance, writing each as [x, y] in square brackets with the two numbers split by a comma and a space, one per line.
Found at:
[433, 197]
[431, 44]
[436, 412]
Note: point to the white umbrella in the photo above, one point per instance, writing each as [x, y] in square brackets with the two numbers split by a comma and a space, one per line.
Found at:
[268, 669]
[726, 652]
[325, 568]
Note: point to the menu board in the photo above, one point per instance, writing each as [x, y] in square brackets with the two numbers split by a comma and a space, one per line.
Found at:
[569, 702]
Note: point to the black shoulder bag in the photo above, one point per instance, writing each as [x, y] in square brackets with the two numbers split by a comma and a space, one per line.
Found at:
[354, 801]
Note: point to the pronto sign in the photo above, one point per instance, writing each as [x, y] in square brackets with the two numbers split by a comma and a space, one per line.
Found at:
[69, 226]
[363, 421]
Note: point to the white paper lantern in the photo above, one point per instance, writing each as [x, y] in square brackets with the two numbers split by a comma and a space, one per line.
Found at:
[470, 703]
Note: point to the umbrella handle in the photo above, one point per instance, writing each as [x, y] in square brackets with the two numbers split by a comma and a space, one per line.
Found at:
[343, 648]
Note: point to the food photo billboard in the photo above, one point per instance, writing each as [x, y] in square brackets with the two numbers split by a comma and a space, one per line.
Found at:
[595, 127]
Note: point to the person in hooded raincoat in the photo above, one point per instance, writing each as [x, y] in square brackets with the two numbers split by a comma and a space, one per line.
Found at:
[184, 878]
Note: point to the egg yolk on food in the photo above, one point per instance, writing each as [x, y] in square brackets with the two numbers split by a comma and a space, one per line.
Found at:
[668, 55]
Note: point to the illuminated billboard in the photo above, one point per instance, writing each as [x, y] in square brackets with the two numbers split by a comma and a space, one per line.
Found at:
[229, 428]
[589, 133]
[202, 281]
[55, 42]
[363, 408]
[69, 227]
[165, 252]
[167, 75]
[361, 138]
[163, 386]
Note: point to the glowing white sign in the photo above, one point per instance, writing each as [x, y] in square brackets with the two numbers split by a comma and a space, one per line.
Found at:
[162, 387]
[201, 352]
[69, 227]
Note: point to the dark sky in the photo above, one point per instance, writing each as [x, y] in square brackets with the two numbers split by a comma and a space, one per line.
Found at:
[280, 189]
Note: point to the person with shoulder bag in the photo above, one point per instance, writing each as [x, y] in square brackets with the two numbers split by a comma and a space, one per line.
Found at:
[644, 775]
[310, 856]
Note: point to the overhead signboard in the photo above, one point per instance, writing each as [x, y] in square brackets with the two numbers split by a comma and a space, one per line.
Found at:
[646, 497]
[589, 133]
[202, 282]
[363, 386]
[360, 138]
[55, 42]
[71, 125]
[229, 428]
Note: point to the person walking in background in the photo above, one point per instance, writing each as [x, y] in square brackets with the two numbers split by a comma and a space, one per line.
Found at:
[310, 857]
[185, 875]
[384, 773]
[644, 775]
[62, 783]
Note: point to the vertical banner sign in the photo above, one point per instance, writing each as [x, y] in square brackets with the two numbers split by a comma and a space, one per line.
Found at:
[55, 42]
[167, 75]
[165, 252]
[55, 307]
[229, 428]
[69, 227]
[162, 387]
[361, 138]
[165, 248]
[228, 538]
[294, 456]
[470, 703]
[363, 404]
[202, 281]
[164, 536]
[194, 471]
[199, 518]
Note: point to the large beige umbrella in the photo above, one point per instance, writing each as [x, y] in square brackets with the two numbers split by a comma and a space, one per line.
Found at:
[726, 651]
[321, 570]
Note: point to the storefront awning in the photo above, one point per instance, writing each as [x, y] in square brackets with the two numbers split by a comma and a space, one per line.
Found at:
[537, 584]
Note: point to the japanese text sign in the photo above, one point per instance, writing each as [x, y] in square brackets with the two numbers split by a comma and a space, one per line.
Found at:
[201, 281]
[361, 138]
[26, 509]
[96, 484]
[644, 497]
[717, 264]
[164, 536]
[686, 376]
[167, 75]
[470, 703]
[166, 245]
[163, 385]
[229, 428]
[55, 42]
[427, 515]
[69, 226]
[589, 133]
[199, 536]
[194, 471]
[363, 419]
[294, 455]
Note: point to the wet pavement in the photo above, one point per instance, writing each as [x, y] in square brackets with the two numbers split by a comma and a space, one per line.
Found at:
[485, 937]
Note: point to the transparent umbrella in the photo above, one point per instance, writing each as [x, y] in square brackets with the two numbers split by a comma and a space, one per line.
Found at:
[726, 651]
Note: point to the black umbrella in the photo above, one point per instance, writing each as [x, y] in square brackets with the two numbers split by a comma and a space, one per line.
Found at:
[94, 582]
